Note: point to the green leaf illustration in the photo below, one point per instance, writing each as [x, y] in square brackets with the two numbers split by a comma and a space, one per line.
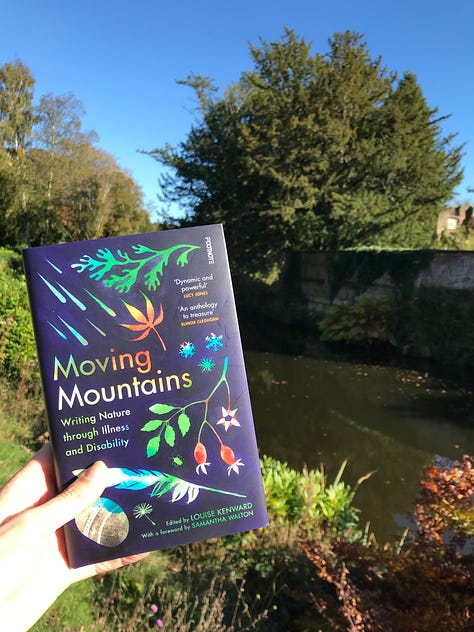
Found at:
[170, 436]
[122, 271]
[153, 446]
[153, 424]
[161, 409]
[184, 423]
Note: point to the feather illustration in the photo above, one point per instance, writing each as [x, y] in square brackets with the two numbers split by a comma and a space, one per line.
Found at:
[124, 478]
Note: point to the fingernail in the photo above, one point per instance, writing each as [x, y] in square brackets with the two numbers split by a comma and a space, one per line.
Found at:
[91, 472]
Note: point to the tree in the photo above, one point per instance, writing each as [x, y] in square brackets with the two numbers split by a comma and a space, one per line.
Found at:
[16, 171]
[16, 106]
[312, 151]
[58, 132]
[55, 184]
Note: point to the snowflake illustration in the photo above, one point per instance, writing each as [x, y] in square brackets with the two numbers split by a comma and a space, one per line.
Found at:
[214, 342]
[206, 364]
[187, 349]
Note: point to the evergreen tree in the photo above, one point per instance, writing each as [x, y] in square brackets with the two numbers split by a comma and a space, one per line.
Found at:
[313, 151]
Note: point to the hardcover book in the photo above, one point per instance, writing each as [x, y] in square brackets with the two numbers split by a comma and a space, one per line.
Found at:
[142, 368]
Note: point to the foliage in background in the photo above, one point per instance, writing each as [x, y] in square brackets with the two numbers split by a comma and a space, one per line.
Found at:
[55, 184]
[307, 499]
[21, 402]
[444, 511]
[423, 584]
[313, 151]
[431, 323]
[17, 345]
[365, 321]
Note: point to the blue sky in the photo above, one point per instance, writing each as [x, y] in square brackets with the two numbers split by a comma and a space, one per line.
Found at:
[122, 58]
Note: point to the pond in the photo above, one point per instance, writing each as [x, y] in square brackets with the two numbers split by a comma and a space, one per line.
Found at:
[389, 420]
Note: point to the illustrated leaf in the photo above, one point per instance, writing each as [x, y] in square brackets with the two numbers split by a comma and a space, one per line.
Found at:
[153, 424]
[170, 436]
[127, 269]
[163, 487]
[124, 478]
[153, 446]
[184, 424]
[159, 319]
[145, 322]
[161, 409]
[134, 327]
[180, 490]
[140, 249]
[150, 311]
[136, 313]
[193, 492]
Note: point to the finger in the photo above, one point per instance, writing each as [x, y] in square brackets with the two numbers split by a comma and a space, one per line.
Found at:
[74, 499]
[33, 484]
[104, 567]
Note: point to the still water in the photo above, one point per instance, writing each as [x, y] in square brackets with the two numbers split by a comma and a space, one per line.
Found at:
[385, 419]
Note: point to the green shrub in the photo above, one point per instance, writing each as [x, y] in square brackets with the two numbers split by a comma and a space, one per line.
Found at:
[366, 321]
[17, 345]
[306, 499]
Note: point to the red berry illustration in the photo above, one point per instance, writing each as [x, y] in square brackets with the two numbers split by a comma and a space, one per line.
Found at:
[228, 456]
[200, 456]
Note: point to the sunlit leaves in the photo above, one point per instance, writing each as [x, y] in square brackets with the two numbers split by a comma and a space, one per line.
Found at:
[324, 151]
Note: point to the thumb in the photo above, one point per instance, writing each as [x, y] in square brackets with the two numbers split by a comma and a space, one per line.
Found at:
[78, 496]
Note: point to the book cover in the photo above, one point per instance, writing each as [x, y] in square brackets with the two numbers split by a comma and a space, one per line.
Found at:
[142, 367]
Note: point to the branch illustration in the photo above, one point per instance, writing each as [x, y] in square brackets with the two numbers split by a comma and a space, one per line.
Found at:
[169, 413]
[121, 271]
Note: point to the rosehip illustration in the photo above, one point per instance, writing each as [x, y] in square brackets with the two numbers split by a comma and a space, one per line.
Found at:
[228, 456]
[200, 456]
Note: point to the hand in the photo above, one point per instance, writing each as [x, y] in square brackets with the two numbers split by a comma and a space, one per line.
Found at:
[33, 560]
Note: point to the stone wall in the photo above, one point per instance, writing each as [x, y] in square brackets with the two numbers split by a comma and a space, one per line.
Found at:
[442, 269]
[450, 270]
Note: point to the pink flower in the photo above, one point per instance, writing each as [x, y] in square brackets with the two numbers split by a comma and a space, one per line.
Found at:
[228, 418]
[154, 608]
[159, 623]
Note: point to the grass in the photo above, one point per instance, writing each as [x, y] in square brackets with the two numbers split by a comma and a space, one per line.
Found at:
[14, 432]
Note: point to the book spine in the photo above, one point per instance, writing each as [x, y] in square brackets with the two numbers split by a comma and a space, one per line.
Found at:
[41, 353]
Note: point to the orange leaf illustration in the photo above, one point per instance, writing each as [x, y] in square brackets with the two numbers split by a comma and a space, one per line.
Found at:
[145, 322]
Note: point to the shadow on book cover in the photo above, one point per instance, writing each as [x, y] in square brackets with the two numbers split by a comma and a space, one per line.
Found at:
[142, 368]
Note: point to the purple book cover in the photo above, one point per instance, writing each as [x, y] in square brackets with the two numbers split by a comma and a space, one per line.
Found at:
[142, 368]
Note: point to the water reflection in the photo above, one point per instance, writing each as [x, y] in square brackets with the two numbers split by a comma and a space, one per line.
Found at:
[387, 419]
